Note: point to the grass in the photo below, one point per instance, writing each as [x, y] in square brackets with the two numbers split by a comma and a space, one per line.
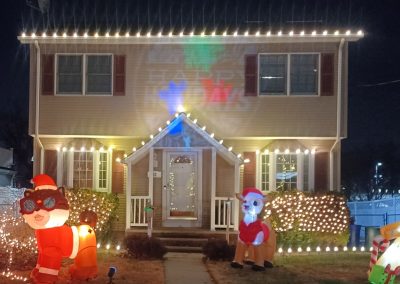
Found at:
[338, 268]
[128, 270]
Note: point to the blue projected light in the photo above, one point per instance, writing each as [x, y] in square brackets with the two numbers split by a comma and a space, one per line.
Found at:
[173, 95]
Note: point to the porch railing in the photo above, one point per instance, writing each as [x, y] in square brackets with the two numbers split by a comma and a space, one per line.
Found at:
[138, 215]
[224, 212]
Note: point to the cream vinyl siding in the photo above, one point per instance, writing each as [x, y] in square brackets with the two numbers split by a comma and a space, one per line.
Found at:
[150, 69]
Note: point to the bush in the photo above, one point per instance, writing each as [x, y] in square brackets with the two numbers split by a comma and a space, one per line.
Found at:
[304, 219]
[139, 246]
[103, 204]
[217, 249]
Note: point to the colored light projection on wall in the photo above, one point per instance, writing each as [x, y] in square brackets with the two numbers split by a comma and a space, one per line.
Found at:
[201, 56]
[173, 95]
[216, 91]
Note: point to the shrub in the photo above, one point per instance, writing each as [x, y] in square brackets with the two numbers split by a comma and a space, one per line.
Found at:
[140, 246]
[303, 219]
[217, 249]
[103, 204]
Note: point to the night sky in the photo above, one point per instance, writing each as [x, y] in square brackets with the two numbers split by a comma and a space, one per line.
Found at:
[374, 73]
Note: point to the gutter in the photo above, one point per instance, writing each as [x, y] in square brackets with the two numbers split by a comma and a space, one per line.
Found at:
[37, 109]
[338, 113]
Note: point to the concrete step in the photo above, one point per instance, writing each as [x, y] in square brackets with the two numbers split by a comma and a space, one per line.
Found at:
[184, 249]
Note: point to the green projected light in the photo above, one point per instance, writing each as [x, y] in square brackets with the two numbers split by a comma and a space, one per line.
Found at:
[201, 56]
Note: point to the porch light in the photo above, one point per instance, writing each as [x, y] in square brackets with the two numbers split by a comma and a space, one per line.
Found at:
[222, 141]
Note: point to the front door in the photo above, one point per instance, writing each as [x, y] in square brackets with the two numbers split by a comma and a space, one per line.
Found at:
[182, 189]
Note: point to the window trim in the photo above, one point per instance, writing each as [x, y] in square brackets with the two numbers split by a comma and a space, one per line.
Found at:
[288, 89]
[272, 171]
[84, 75]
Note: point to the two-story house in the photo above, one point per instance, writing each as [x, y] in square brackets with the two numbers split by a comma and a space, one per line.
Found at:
[184, 120]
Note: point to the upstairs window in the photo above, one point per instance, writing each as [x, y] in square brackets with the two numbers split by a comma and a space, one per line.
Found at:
[288, 74]
[84, 74]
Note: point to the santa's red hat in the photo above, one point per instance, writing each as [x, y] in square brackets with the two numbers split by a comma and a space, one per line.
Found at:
[43, 182]
[252, 191]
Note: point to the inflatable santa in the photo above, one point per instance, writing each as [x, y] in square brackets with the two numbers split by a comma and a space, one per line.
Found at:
[46, 210]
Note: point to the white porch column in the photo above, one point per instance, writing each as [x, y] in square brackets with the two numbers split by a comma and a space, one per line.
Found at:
[128, 196]
[237, 190]
[151, 173]
[213, 186]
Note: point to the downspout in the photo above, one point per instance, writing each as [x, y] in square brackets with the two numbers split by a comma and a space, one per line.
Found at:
[338, 114]
[37, 106]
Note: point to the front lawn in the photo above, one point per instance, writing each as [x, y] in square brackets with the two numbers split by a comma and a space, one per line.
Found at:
[329, 268]
[128, 270]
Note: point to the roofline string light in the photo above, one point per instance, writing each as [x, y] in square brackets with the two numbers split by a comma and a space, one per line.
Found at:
[203, 33]
[202, 128]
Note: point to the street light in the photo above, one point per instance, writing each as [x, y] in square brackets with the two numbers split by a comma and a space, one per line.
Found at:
[379, 164]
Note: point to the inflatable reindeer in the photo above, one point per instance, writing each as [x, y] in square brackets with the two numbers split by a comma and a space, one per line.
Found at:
[384, 269]
[46, 210]
[253, 233]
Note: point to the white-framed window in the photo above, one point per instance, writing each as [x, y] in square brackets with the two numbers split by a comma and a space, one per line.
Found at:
[285, 171]
[86, 169]
[292, 74]
[84, 74]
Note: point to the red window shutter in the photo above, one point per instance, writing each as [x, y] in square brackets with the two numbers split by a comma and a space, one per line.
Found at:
[249, 170]
[327, 74]
[117, 172]
[50, 164]
[47, 74]
[321, 172]
[250, 75]
[119, 75]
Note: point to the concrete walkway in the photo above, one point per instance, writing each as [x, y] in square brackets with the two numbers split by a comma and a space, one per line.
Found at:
[185, 268]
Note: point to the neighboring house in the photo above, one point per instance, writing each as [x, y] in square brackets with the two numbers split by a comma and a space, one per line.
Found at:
[266, 109]
[7, 171]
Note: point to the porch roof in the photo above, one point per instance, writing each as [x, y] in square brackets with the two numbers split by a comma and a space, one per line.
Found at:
[225, 152]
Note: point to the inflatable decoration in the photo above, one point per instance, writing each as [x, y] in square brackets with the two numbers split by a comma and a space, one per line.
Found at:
[383, 270]
[46, 210]
[253, 234]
